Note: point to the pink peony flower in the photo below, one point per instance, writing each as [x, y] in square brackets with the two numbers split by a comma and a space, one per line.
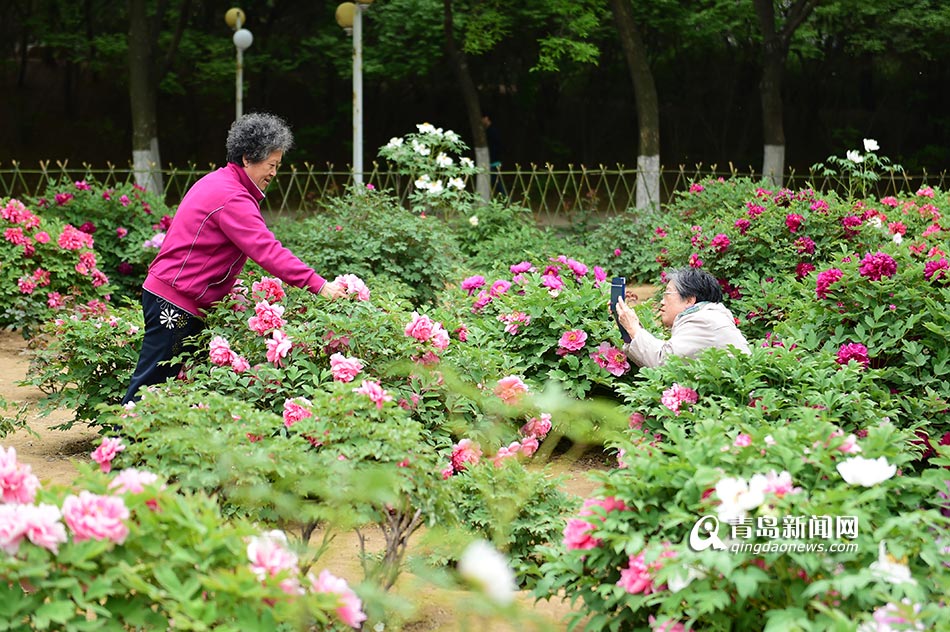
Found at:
[269, 289]
[577, 532]
[73, 239]
[132, 481]
[577, 535]
[499, 287]
[270, 557]
[636, 578]
[424, 329]
[537, 426]
[483, 299]
[675, 396]
[553, 282]
[121, 232]
[610, 358]
[12, 527]
[670, 625]
[925, 191]
[106, 451]
[510, 389]
[374, 391]
[742, 441]
[239, 364]
[42, 526]
[513, 321]
[853, 351]
[350, 610]
[572, 340]
[696, 187]
[524, 266]
[295, 410]
[877, 265]
[266, 317]
[278, 347]
[220, 352]
[90, 516]
[344, 369]
[775, 483]
[578, 268]
[463, 453]
[529, 445]
[354, 285]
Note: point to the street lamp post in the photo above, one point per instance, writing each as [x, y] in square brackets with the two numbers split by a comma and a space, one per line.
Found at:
[242, 39]
[349, 15]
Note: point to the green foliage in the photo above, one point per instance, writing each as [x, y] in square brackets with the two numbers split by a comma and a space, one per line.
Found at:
[857, 173]
[45, 267]
[121, 218]
[371, 236]
[668, 480]
[85, 361]
[621, 243]
[516, 507]
[12, 423]
[181, 565]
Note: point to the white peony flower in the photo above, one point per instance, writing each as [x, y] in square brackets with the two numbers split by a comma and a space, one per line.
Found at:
[875, 222]
[854, 156]
[473, 220]
[737, 496]
[451, 136]
[482, 565]
[889, 569]
[897, 238]
[871, 145]
[423, 182]
[466, 162]
[443, 161]
[678, 582]
[420, 148]
[425, 128]
[866, 472]
[436, 188]
[457, 183]
[394, 142]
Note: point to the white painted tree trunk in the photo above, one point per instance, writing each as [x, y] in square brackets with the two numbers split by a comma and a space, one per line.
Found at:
[648, 182]
[773, 164]
[483, 178]
[147, 167]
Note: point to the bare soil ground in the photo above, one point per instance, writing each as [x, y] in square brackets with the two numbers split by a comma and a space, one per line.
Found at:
[52, 454]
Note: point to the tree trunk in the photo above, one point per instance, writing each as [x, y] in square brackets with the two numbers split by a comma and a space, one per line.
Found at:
[775, 45]
[473, 108]
[146, 161]
[648, 111]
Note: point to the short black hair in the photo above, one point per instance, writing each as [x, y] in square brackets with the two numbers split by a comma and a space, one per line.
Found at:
[255, 136]
[693, 282]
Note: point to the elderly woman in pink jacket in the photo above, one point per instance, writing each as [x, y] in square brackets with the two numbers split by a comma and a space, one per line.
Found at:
[693, 311]
[218, 226]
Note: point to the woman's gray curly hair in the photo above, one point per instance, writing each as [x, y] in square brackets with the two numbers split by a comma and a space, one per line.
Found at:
[255, 136]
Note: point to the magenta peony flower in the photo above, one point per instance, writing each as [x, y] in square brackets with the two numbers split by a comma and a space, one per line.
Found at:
[853, 351]
[696, 188]
[90, 516]
[524, 266]
[472, 283]
[805, 245]
[553, 282]
[600, 275]
[825, 280]
[106, 451]
[803, 269]
[695, 261]
[877, 265]
[121, 232]
[344, 369]
[578, 268]
[794, 221]
[720, 242]
[350, 609]
[937, 270]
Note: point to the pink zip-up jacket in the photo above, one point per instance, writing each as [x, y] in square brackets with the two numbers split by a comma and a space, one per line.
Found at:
[217, 228]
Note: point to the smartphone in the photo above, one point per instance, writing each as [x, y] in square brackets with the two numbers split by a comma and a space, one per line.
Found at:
[618, 291]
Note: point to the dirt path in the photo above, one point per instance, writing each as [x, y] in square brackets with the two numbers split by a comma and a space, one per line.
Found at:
[52, 454]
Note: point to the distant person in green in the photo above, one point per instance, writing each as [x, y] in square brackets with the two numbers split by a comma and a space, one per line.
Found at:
[693, 311]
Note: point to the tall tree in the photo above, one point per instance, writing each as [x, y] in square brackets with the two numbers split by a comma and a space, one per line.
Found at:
[648, 110]
[777, 30]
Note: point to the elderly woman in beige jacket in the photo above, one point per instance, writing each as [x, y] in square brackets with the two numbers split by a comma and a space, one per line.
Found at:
[693, 311]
